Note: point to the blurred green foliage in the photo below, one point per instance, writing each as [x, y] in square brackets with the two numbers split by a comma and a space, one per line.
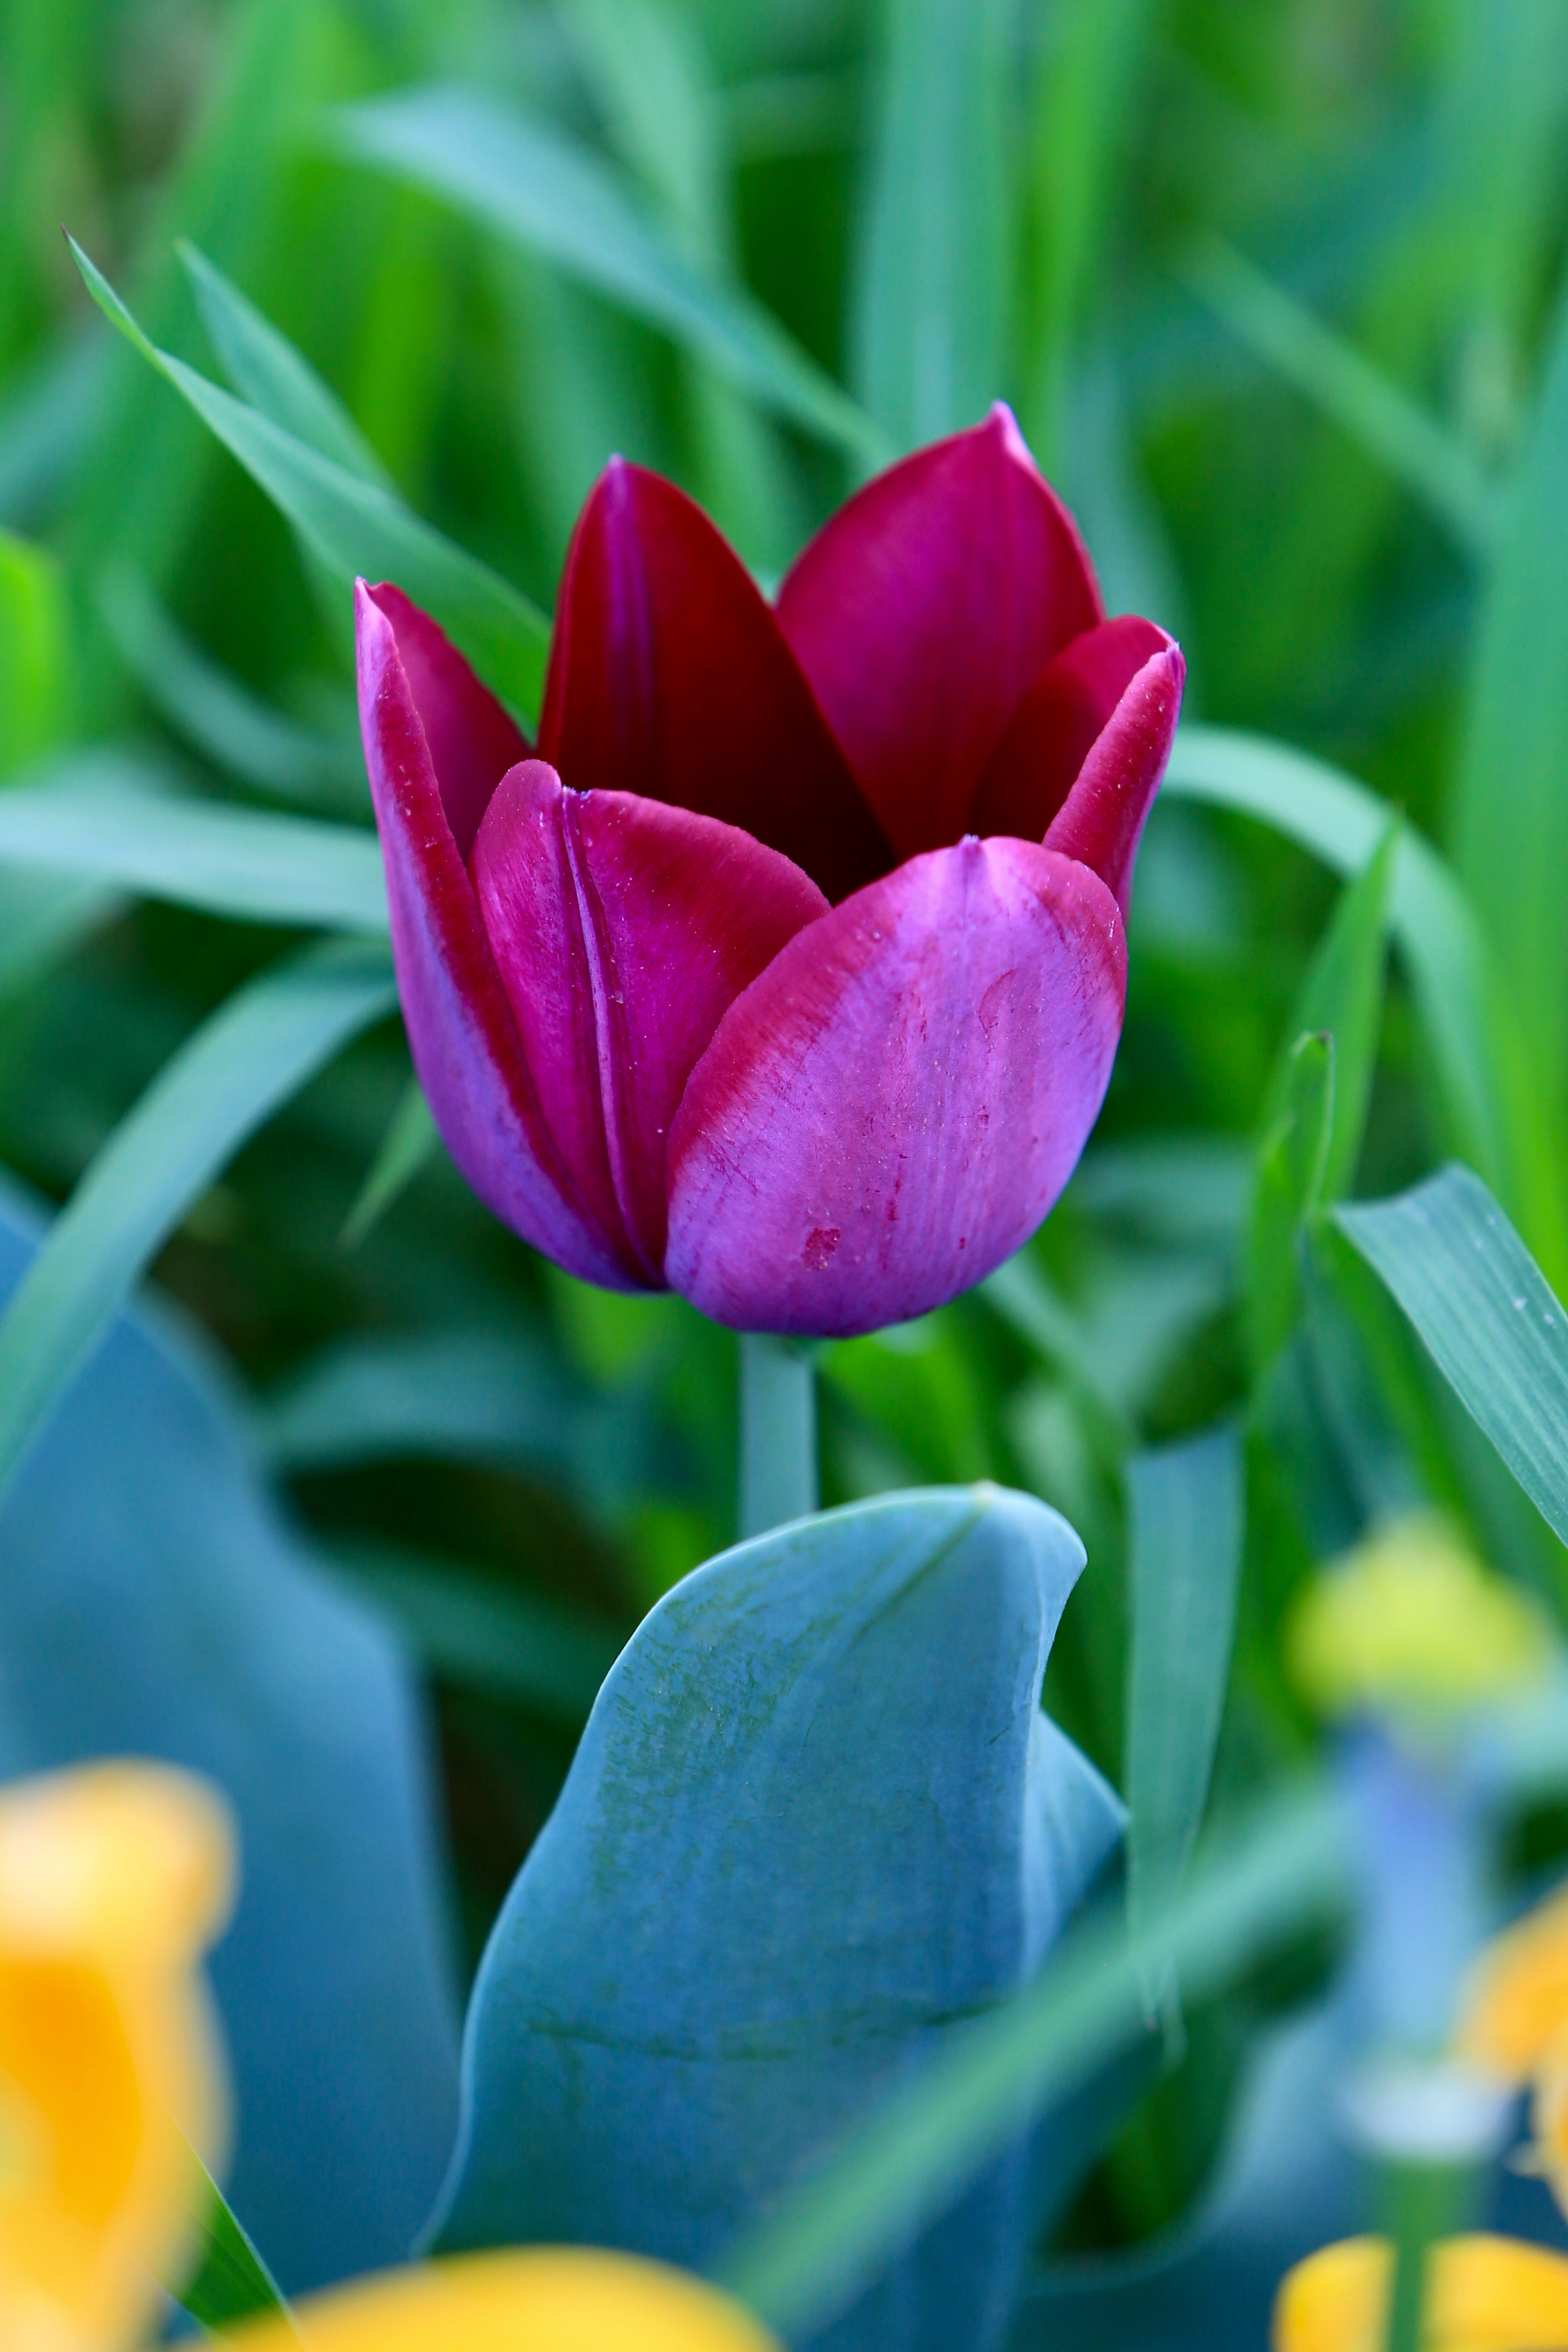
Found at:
[1275, 293]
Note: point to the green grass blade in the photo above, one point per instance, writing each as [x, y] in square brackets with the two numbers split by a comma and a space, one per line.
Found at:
[1188, 1519]
[228, 2281]
[530, 183]
[931, 327]
[1510, 811]
[1342, 993]
[1489, 1319]
[273, 376]
[255, 1052]
[1332, 374]
[915, 2155]
[354, 526]
[1292, 1160]
[410, 1142]
[100, 816]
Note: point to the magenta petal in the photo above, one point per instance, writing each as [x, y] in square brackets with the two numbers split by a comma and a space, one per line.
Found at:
[460, 1030]
[472, 739]
[624, 930]
[923, 612]
[669, 678]
[1056, 726]
[1100, 823]
[893, 1107]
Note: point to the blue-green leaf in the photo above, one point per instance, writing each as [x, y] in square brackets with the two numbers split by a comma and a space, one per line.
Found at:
[1489, 1317]
[102, 816]
[153, 1604]
[825, 1749]
[251, 1057]
[530, 181]
[354, 526]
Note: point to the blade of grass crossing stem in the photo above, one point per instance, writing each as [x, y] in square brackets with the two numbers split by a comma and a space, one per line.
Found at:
[228, 2281]
[273, 376]
[355, 527]
[1492, 1116]
[1188, 1518]
[251, 1055]
[1332, 374]
[930, 321]
[410, 1141]
[1510, 828]
[918, 2151]
[1489, 1317]
[528, 182]
[100, 816]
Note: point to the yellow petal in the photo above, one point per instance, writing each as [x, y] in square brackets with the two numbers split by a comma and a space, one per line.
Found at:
[1516, 2002]
[112, 1878]
[1412, 1620]
[534, 2299]
[1487, 2295]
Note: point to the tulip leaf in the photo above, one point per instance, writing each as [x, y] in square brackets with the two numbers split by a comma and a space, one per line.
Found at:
[255, 1051]
[928, 2138]
[265, 367]
[153, 1604]
[412, 1141]
[530, 182]
[930, 324]
[354, 526]
[1188, 1520]
[213, 710]
[228, 2281]
[43, 916]
[1291, 1161]
[1489, 1319]
[1510, 827]
[103, 816]
[826, 1744]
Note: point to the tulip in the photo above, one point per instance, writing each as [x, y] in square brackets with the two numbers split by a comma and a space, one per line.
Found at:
[113, 1877]
[546, 2298]
[789, 973]
[1484, 2294]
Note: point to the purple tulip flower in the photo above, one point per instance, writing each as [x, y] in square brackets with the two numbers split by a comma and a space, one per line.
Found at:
[788, 972]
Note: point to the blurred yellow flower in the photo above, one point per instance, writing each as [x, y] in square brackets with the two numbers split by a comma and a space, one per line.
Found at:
[1484, 2294]
[543, 2298]
[1516, 2005]
[1410, 1620]
[113, 1879]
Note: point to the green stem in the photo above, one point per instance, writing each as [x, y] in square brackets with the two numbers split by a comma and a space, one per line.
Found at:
[778, 1432]
[1423, 2202]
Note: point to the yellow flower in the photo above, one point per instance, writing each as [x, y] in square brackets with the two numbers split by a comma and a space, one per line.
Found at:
[1411, 1621]
[113, 1878]
[1484, 2294]
[543, 2298]
[1516, 2006]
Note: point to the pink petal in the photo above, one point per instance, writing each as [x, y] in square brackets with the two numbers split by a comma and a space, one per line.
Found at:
[924, 611]
[472, 739]
[624, 930]
[460, 1030]
[669, 677]
[892, 1107]
[1105, 710]
[1100, 823]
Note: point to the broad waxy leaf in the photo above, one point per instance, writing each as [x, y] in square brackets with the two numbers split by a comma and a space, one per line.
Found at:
[101, 816]
[826, 1749]
[1489, 1317]
[151, 1604]
[529, 181]
[248, 1058]
[356, 527]
[1188, 1521]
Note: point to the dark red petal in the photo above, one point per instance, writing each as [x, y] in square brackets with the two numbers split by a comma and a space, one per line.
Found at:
[891, 1109]
[624, 930]
[460, 1030]
[669, 677]
[472, 739]
[923, 612]
[1056, 726]
[1101, 820]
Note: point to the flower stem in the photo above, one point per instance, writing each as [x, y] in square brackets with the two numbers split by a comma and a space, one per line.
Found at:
[778, 1432]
